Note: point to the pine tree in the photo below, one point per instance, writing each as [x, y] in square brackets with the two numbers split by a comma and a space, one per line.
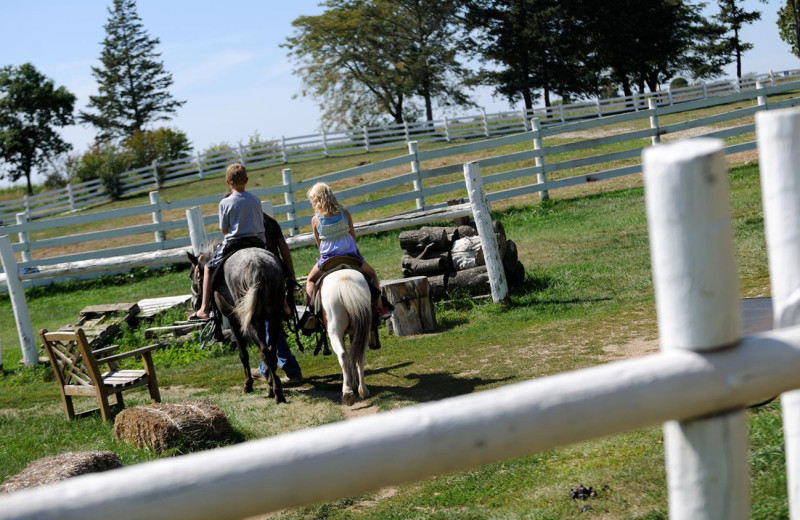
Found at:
[132, 82]
[734, 18]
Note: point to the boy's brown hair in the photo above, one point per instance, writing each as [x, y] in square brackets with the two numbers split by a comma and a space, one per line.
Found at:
[236, 174]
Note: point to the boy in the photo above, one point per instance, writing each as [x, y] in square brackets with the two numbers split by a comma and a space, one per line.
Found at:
[241, 220]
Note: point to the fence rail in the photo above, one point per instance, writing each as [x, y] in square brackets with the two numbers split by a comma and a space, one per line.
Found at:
[535, 170]
[325, 144]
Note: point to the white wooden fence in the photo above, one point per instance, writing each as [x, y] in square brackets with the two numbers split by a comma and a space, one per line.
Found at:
[535, 170]
[325, 144]
[697, 386]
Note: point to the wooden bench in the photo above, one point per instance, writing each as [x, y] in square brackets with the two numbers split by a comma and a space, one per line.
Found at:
[76, 367]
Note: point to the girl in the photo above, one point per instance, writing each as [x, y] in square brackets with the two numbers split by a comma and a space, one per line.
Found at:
[335, 236]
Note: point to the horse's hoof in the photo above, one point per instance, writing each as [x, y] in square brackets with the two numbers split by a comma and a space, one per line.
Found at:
[348, 399]
[364, 392]
[280, 399]
[270, 393]
[248, 387]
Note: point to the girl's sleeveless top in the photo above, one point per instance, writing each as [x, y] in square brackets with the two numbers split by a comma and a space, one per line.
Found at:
[335, 238]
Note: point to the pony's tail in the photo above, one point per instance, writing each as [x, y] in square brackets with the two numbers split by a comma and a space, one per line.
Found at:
[358, 302]
[247, 306]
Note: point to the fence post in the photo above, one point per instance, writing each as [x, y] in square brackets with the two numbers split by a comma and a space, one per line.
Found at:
[561, 113]
[366, 138]
[538, 144]
[156, 180]
[325, 142]
[599, 108]
[697, 304]
[778, 156]
[762, 99]
[22, 218]
[71, 196]
[483, 221]
[200, 173]
[413, 149]
[26, 201]
[485, 123]
[446, 129]
[155, 200]
[771, 78]
[288, 197]
[405, 129]
[652, 105]
[283, 150]
[705, 90]
[240, 152]
[197, 230]
[669, 96]
[17, 294]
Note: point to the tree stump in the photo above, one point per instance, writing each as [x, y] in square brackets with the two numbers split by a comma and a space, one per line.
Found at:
[413, 310]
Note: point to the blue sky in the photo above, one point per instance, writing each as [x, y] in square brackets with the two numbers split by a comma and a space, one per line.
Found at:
[225, 60]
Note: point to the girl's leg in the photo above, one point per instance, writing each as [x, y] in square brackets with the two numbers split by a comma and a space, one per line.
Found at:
[203, 311]
[310, 279]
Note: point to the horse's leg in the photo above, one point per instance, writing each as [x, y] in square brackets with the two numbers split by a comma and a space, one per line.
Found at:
[336, 332]
[363, 391]
[244, 357]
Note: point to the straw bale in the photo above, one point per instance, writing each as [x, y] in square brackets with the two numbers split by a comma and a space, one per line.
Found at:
[49, 470]
[175, 428]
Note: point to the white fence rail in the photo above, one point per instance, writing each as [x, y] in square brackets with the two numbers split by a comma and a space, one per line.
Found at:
[287, 149]
[698, 386]
[535, 170]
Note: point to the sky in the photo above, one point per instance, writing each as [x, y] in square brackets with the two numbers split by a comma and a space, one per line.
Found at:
[226, 62]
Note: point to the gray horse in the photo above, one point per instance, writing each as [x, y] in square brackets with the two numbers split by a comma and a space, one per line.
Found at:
[250, 292]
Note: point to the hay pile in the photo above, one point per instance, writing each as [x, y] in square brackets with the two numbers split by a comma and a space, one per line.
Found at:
[49, 470]
[175, 428]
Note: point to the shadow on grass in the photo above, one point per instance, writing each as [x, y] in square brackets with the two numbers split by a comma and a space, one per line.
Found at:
[424, 387]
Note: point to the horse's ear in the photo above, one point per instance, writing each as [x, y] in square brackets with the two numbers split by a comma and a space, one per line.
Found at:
[193, 259]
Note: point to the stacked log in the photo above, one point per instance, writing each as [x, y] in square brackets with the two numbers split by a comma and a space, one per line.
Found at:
[428, 252]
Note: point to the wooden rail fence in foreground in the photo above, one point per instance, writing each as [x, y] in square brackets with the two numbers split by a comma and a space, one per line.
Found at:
[698, 386]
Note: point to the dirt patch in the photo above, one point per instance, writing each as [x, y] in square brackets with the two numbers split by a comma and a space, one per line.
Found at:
[633, 349]
[360, 409]
[383, 494]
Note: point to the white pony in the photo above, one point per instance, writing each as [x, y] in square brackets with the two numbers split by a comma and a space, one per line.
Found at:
[347, 307]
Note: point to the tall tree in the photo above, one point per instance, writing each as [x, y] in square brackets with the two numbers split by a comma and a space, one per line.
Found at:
[534, 45]
[132, 83]
[30, 109]
[425, 30]
[733, 18]
[789, 25]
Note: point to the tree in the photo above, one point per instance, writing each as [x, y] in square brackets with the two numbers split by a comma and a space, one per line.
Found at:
[733, 18]
[132, 83]
[789, 25]
[30, 107]
[161, 144]
[536, 45]
[425, 31]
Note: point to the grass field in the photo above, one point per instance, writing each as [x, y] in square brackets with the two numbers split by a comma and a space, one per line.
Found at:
[587, 299]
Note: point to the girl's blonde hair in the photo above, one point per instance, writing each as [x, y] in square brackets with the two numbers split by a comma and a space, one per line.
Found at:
[322, 199]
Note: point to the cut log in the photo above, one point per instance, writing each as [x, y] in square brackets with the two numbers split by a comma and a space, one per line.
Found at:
[416, 240]
[467, 231]
[437, 287]
[473, 281]
[413, 311]
[512, 254]
[426, 266]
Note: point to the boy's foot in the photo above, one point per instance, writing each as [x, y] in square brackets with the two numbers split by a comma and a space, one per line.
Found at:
[197, 317]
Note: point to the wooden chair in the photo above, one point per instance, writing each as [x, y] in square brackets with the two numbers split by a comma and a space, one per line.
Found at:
[75, 366]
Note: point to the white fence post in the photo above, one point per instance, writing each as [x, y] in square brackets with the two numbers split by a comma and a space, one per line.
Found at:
[283, 150]
[23, 237]
[483, 221]
[200, 172]
[26, 201]
[71, 196]
[155, 200]
[538, 144]
[652, 105]
[325, 143]
[22, 317]
[413, 149]
[197, 230]
[366, 138]
[599, 107]
[485, 123]
[405, 129]
[156, 180]
[669, 96]
[778, 157]
[697, 303]
[762, 99]
[446, 129]
[288, 197]
[242, 157]
[525, 120]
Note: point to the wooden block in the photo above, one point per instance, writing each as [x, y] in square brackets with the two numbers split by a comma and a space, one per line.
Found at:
[413, 310]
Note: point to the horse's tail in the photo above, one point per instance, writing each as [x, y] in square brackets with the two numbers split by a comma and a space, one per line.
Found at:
[355, 297]
[247, 307]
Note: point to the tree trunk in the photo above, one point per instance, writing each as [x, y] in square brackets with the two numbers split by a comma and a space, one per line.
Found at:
[423, 267]
[413, 311]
